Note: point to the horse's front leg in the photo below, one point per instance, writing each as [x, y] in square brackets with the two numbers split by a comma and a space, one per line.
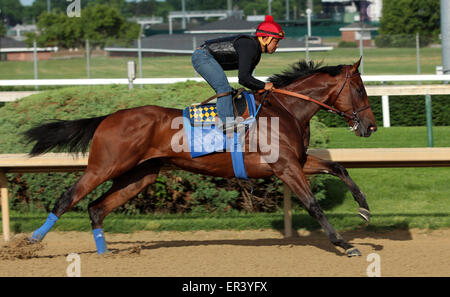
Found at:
[291, 173]
[316, 165]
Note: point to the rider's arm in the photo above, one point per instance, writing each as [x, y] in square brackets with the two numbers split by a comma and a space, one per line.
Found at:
[248, 54]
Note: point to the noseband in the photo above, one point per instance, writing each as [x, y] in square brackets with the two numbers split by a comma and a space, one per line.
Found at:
[349, 117]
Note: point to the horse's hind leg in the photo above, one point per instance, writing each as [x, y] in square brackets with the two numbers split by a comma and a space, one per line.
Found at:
[124, 187]
[291, 173]
[88, 182]
[315, 165]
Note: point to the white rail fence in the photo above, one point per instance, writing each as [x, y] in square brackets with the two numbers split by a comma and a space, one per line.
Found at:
[108, 81]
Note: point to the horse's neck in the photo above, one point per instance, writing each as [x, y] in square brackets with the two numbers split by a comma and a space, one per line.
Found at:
[304, 110]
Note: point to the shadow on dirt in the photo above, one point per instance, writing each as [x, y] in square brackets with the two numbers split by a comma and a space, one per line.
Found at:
[314, 238]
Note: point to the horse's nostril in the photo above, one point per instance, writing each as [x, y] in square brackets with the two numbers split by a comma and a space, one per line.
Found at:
[373, 128]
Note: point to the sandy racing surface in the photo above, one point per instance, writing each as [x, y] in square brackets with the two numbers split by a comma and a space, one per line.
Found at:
[263, 253]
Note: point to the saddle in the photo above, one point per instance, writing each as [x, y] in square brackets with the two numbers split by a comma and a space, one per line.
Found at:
[203, 137]
[206, 113]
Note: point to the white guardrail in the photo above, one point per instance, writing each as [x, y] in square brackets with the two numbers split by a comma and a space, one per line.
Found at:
[108, 81]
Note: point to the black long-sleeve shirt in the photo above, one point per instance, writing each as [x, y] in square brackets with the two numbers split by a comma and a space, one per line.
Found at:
[249, 53]
[240, 52]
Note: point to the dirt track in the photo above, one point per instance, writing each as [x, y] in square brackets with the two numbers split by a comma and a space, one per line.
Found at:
[235, 253]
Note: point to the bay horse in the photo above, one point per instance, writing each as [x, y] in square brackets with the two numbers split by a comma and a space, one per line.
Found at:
[131, 146]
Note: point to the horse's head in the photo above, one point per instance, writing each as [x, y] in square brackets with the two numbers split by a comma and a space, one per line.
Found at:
[338, 88]
[351, 98]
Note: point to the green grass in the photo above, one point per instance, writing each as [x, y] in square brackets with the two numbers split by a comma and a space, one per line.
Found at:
[376, 61]
[389, 137]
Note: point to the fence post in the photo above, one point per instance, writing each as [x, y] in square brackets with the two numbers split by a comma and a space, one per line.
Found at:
[131, 70]
[194, 47]
[35, 59]
[287, 211]
[88, 58]
[307, 48]
[385, 107]
[5, 205]
[361, 51]
[418, 54]
[308, 13]
[140, 58]
[429, 120]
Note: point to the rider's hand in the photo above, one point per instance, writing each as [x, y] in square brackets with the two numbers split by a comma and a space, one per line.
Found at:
[268, 86]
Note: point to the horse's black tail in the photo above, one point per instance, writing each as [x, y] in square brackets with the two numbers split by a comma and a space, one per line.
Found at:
[72, 136]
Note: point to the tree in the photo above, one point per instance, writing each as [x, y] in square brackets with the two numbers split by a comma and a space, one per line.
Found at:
[2, 30]
[163, 9]
[57, 29]
[60, 6]
[11, 12]
[103, 23]
[403, 19]
[99, 23]
[410, 17]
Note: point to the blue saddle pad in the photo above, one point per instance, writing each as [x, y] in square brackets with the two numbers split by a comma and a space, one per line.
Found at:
[203, 137]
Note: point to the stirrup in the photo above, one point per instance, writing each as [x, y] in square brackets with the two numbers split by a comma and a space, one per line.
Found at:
[227, 127]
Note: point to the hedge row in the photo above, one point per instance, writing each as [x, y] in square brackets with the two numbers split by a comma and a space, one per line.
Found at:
[173, 192]
[404, 111]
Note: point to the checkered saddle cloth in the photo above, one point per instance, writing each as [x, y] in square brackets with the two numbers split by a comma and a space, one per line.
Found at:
[207, 113]
[202, 114]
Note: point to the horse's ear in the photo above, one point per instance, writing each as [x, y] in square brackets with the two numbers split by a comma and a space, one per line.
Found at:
[356, 65]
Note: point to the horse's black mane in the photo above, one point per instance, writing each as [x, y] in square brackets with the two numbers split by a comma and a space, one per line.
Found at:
[302, 69]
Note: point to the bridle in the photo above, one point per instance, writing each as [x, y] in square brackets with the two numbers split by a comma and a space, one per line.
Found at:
[329, 107]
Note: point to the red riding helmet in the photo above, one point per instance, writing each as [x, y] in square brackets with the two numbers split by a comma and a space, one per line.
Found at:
[270, 28]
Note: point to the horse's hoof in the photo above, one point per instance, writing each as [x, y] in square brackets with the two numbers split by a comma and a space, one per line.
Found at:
[352, 252]
[32, 240]
[364, 214]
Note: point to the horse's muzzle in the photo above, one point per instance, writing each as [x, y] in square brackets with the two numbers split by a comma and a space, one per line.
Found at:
[370, 129]
[361, 130]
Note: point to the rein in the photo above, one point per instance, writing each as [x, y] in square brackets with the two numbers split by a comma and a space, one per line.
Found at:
[307, 98]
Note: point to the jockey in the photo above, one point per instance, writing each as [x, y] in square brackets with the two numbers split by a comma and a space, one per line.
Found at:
[239, 52]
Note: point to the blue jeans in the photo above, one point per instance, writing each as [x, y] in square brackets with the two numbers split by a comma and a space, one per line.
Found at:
[205, 64]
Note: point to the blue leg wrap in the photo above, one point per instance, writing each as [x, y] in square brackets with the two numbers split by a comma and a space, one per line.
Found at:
[40, 233]
[100, 242]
